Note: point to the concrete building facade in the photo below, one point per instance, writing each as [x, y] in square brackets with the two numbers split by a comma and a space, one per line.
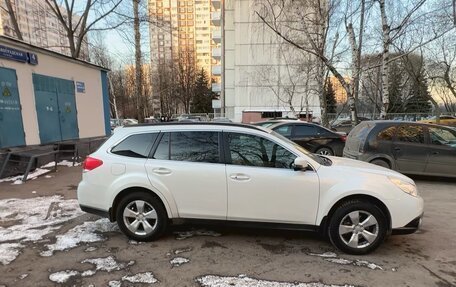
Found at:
[38, 25]
[260, 72]
[46, 97]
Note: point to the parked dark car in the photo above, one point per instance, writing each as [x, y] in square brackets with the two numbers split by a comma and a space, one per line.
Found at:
[345, 125]
[312, 137]
[408, 147]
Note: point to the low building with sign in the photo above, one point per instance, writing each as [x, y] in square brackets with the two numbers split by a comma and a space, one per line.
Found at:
[47, 97]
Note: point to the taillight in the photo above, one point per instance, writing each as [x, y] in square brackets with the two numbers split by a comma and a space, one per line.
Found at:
[91, 163]
[343, 138]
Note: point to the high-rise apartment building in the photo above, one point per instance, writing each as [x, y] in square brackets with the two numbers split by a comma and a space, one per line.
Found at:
[38, 25]
[179, 27]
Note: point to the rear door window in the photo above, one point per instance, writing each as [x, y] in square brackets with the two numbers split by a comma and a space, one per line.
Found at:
[304, 131]
[410, 134]
[135, 145]
[193, 146]
[442, 137]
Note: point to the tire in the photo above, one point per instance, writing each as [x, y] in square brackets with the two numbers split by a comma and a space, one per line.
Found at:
[381, 162]
[325, 151]
[150, 223]
[361, 238]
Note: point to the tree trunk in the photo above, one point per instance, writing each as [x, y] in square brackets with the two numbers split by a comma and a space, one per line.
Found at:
[138, 70]
[385, 58]
[13, 18]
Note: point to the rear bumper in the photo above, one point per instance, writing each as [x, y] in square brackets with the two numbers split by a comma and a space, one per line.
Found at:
[410, 228]
[99, 212]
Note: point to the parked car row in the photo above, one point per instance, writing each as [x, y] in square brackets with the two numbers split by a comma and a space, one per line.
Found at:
[408, 147]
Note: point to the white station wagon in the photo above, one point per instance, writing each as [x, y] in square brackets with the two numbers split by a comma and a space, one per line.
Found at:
[143, 177]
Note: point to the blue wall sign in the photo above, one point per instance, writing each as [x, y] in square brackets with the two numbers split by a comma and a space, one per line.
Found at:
[80, 87]
[13, 54]
[32, 58]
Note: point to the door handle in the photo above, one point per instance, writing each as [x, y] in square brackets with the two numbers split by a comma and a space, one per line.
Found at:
[239, 177]
[435, 152]
[161, 171]
[397, 148]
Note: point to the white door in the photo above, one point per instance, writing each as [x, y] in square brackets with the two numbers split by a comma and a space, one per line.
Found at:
[188, 166]
[262, 185]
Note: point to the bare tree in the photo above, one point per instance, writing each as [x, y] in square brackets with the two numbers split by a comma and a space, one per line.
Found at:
[186, 75]
[78, 26]
[12, 15]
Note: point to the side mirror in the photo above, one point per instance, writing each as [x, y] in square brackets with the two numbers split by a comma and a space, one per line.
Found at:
[300, 164]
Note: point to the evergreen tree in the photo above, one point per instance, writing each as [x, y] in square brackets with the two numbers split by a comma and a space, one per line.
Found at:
[419, 102]
[395, 89]
[330, 97]
[202, 101]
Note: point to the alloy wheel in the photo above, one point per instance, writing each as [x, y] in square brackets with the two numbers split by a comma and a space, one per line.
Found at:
[358, 229]
[140, 217]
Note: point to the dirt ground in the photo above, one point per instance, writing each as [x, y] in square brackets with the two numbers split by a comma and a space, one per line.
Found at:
[252, 257]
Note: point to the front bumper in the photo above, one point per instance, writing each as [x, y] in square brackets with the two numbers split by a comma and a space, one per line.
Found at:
[410, 228]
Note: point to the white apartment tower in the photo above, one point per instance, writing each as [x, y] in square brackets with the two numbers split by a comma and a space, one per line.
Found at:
[260, 72]
[38, 26]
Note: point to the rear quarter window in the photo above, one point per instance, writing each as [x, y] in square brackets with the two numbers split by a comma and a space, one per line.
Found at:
[137, 146]
[386, 134]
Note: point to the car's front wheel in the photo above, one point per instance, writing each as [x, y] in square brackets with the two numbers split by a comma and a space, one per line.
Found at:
[141, 216]
[357, 227]
[325, 151]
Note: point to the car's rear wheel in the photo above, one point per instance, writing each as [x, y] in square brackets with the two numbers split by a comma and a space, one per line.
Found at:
[325, 151]
[357, 227]
[381, 162]
[141, 216]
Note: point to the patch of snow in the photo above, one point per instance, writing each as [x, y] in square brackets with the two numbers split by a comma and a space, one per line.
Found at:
[114, 283]
[61, 163]
[356, 262]
[34, 191]
[182, 250]
[90, 249]
[9, 251]
[178, 261]
[332, 257]
[146, 277]
[107, 264]
[180, 235]
[324, 255]
[62, 276]
[134, 242]
[18, 178]
[23, 276]
[226, 281]
[48, 176]
[88, 273]
[33, 219]
[87, 232]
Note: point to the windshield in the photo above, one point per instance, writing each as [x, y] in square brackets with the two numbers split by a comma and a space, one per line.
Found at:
[320, 160]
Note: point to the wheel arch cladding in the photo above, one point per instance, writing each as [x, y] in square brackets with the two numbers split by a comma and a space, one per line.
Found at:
[120, 195]
[361, 197]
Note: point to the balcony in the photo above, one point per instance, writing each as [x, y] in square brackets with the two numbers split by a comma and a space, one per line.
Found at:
[216, 3]
[217, 36]
[216, 18]
[216, 87]
[216, 70]
[216, 53]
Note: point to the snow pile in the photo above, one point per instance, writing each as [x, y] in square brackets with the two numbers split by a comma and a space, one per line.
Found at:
[146, 277]
[29, 220]
[9, 252]
[87, 232]
[243, 281]
[178, 261]
[61, 163]
[332, 257]
[62, 276]
[180, 235]
[32, 175]
[114, 283]
[107, 264]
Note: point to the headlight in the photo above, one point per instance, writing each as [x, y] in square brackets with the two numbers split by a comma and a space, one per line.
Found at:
[406, 187]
